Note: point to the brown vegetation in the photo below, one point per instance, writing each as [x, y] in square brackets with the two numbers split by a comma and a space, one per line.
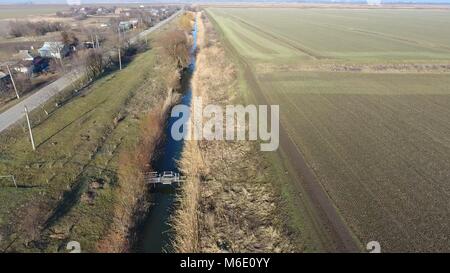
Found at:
[186, 20]
[133, 165]
[69, 38]
[227, 203]
[94, 63]
[176, 45]
[29, 28]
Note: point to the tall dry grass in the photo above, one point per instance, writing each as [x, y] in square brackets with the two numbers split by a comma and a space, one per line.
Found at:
[131, 198]
[227, 203]
[185, 219]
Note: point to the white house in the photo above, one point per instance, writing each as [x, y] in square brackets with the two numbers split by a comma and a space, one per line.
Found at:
[134, 23]
[53, 50]
[125, 25]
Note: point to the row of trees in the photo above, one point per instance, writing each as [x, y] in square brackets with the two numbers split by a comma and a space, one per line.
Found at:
[32, 28]
[177, 47]
[95, 61]
[176, 43]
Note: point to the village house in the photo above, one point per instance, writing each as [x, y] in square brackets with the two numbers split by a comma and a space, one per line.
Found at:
[55, 50]
[134, 23]
[31, 68]
[125, 25]
[24, 62]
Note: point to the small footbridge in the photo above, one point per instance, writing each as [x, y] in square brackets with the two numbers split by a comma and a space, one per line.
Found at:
[164, 178]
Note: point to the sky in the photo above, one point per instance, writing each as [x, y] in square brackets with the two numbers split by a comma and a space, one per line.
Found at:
[174, 1]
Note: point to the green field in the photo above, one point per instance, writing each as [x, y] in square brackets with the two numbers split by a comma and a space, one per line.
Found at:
[357, 35]
[377, 139]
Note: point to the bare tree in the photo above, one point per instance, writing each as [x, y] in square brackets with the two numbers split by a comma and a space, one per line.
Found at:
[69, 39]
[176, 45]
[26, 28]
[94, 63]
[186, 21]
[23, 82]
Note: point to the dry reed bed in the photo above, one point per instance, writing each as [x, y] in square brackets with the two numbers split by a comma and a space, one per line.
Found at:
[227, 203]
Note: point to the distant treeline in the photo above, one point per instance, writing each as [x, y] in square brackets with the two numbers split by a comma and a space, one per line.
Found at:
[33, 28]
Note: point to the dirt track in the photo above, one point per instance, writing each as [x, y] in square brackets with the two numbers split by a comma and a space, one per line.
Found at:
[338, 236]
[326, 213]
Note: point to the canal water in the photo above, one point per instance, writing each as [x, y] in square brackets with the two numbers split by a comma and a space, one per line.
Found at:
[155, 233]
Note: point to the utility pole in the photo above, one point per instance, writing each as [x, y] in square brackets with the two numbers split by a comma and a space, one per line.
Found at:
[13, 82]
[120, 55]
[146, 38]
[92, 40]
[29, 129]
[120, 59]
[61, 59]
[14, 180]
[96, 39]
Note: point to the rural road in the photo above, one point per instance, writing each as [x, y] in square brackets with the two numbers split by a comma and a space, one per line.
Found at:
[16, 112]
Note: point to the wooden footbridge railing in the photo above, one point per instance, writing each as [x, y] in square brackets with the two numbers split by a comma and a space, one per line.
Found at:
[164, 178]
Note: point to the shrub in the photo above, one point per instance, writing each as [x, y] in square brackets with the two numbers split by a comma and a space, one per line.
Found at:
[176, 45]
[28, 28]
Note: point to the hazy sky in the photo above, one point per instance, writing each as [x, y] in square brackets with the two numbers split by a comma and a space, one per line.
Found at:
[173, 1]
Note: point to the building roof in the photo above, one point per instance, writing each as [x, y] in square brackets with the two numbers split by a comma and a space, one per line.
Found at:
[2, 75]
[52, 46]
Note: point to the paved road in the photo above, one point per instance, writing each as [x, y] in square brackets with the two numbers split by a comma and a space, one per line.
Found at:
[155, 27]
[15, 113]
